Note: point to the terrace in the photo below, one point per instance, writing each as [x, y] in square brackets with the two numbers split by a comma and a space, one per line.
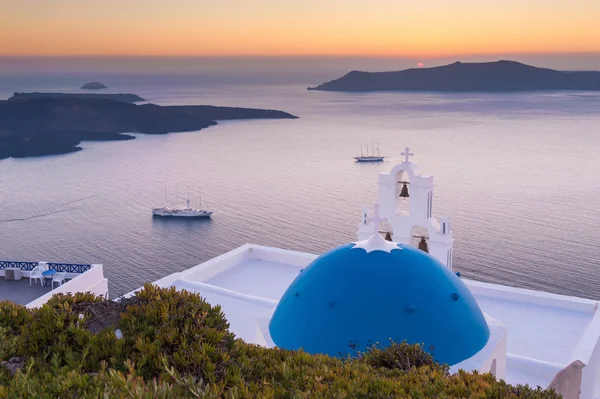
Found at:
[79, 278]
[19, 291]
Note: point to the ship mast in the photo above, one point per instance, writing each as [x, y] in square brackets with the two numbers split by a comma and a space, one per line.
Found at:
[187, 202]
[166, 198]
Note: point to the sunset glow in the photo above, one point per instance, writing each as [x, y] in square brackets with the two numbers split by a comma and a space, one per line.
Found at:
[308, 27]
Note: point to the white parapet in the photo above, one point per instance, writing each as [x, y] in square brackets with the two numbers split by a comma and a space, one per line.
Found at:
[493, 357]
[92, 281]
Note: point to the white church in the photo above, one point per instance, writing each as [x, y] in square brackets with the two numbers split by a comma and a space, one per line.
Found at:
[276, 297]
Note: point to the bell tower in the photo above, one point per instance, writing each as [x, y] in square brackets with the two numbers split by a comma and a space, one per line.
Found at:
[406, 200]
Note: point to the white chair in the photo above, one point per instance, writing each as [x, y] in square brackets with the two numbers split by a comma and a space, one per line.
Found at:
[36, 273]
[58, 278]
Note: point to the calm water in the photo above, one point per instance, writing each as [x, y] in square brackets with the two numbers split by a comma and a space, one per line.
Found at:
[517, 173]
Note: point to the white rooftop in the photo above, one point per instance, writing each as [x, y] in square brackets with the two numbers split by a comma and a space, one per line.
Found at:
[247, 283]
[545, 331]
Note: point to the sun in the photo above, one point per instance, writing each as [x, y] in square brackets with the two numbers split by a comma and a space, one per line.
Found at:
[420, 65]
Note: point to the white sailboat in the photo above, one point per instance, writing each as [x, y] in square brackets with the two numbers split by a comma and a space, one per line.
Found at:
[369, 158]
[187, 212]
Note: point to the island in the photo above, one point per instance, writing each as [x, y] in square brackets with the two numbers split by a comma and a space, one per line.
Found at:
[47, 125]
[94, 86]
[123, 97]
[499, 76]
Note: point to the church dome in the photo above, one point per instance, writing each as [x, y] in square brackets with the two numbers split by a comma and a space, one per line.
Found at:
[372, 291]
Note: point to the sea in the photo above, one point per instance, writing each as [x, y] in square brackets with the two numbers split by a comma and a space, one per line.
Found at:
[517, 173]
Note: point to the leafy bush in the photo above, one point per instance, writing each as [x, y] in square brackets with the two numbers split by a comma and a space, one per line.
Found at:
[400, 356]
[174, 344]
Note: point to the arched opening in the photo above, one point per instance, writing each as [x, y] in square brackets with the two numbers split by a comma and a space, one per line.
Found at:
[386, 231]
[419, 238]
[493, 368]
[402, 193]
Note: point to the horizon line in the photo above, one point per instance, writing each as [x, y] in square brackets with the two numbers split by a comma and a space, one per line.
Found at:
[406, 56]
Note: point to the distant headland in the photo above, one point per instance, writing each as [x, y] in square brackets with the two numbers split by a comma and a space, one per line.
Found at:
[123, 97]
[94, 86]
[499, 76]
[36, 124]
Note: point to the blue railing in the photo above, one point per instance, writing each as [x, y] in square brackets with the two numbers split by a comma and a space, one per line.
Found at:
[69, 267]
[59, 267]
[26, 266]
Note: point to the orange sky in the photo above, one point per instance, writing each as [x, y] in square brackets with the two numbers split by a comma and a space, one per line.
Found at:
[298, 27]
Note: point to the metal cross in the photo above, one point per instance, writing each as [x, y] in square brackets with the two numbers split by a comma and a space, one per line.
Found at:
[407, 154]
[376, 219]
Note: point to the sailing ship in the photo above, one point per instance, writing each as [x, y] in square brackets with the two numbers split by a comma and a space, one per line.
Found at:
[369, 157]
[187, 212]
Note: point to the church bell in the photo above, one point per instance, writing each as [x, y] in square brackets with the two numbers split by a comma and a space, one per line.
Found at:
[423, 245]
[404, 191]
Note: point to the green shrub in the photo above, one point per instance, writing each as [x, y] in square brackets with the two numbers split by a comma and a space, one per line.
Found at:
[174, 344]
[12, 318]
[400, 356]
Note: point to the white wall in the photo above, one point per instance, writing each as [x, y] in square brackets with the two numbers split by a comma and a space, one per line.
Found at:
[588, 352]
[494, 352]
[276, 255]
[590, 381]
[503, 292]
[91, 281]
[497, 359]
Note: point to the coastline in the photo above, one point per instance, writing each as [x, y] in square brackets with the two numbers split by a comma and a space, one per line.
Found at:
[47, 125]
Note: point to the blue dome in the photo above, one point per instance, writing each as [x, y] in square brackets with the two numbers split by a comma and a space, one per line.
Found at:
[349, 299]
